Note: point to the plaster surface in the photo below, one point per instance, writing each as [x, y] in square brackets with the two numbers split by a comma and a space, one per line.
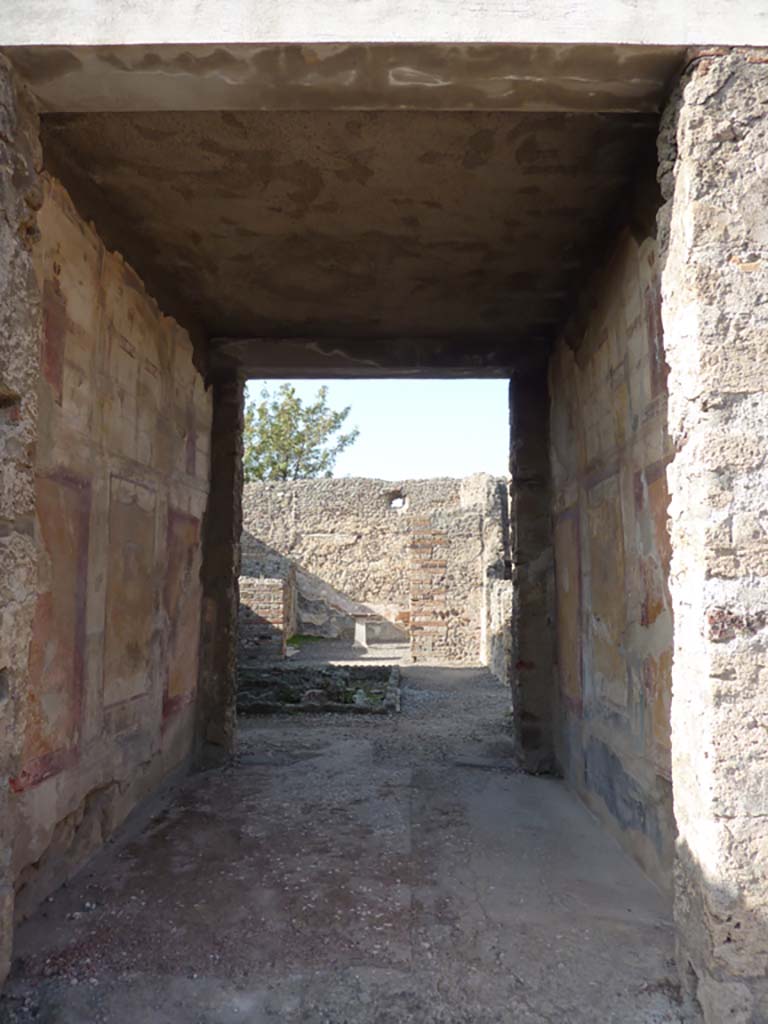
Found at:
[386, 870]
[348, 76]
[104, 22]
[609, 453]
[378, 225]
[121, 471]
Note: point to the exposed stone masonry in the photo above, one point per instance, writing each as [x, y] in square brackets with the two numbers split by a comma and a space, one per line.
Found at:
[714, 236]
[266, 618]
[424, 555]
[20, 327]
[431, 619]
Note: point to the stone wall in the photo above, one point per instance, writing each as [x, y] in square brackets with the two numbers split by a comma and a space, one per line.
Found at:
[121, 481]
[267, 615]
[451, 571]
[609, 453]
[20, 327]
[219, 574]
[496, 643]
[418, 553]
[532, 638]
[714, 233]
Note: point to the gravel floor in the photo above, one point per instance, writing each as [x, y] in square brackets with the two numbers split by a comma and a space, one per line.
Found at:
[367, 870]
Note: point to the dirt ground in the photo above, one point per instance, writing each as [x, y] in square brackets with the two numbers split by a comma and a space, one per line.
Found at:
[367, 870]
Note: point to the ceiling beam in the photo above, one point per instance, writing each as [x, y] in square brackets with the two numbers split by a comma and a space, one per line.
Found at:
[240, 76]
[307, 358]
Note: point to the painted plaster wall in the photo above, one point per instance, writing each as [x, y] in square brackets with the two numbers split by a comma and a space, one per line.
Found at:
[354, 553]
[121, 480]
[609, 452]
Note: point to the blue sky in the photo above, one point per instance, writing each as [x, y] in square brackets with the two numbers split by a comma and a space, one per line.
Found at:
[418, 428]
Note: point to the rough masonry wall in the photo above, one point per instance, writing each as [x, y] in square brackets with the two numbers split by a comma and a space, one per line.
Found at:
[714, 230]
[266, 617]
[609, 453]
[355, 553]
[20, 327]
[122, 473]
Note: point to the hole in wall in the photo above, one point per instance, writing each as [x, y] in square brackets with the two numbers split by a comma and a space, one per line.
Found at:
[397, 501]
[9, 400]
[4, 683]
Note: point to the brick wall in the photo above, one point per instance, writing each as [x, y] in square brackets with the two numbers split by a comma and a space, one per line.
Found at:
[265, 620]
[449, 579]
[429, 619]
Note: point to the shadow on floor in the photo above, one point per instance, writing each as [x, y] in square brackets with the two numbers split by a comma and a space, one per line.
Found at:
[378, 870]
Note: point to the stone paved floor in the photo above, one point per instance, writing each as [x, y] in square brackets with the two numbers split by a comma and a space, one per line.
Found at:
[365, 871]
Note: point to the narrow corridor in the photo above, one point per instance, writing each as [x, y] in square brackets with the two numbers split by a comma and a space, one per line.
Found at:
[366, 871]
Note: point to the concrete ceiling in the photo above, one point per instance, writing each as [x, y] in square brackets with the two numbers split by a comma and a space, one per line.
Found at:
[370, 225]
[581, 78]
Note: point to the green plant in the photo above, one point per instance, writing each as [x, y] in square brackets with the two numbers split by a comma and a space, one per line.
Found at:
[286, 439]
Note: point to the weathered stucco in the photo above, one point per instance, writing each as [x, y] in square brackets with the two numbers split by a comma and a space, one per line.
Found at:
[20, 326]
[121, 480]
[714, 231]
[377, 225]
[242, 76]
[609, 451]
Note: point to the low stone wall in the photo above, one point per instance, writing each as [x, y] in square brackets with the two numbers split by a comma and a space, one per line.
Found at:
[355, 689]
[420, 554]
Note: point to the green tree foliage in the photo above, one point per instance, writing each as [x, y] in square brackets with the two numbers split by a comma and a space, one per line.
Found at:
[284, 439]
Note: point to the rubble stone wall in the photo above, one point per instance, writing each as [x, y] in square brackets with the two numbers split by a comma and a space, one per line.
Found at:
[714, 233]
[496, 643]
[120, 485]
[609, 454]
[358, 547]
[20, 329]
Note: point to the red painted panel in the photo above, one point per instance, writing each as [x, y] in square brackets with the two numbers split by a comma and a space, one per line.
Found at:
[53, 710]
